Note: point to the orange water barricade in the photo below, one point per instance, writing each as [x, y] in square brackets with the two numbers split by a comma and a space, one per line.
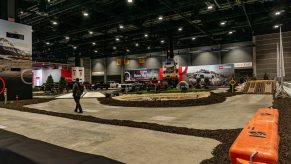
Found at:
[266, 115]
[258, 141]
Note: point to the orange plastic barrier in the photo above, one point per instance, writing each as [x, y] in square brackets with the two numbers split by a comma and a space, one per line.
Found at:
[258, 142]
[266, 115]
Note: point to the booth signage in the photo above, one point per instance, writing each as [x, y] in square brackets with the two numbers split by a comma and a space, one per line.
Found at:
[243, 65]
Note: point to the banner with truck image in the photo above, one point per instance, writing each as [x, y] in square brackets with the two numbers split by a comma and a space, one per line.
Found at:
[15, 60]
[142, 74]
[214, 75]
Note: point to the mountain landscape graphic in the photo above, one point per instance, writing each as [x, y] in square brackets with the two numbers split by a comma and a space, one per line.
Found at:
[8, 49]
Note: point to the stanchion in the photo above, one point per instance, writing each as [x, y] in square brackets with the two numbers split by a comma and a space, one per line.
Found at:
[17, 98]
[5, 95]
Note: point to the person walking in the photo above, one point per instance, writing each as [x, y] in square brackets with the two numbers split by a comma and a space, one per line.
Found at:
[77, 93]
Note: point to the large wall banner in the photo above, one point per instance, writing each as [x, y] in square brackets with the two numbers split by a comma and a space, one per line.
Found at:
[216, 74]
[78, 72]
[141, 74]
[15, 60]
[169, 69]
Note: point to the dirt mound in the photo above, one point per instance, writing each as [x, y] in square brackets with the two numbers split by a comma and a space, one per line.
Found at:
[212, 99]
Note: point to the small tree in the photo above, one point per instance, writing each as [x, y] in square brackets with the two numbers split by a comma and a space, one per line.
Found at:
[266, 76]
[49, 83]
[253, 77]
[198, 83]
[62, 84]
[207, 81]
[242, 79]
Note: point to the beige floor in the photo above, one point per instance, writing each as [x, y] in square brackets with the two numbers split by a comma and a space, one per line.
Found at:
[231, 114]
[125, 144]
[85, 95]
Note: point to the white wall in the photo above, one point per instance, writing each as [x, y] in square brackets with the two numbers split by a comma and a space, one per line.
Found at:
[37, 77]
[43, 75]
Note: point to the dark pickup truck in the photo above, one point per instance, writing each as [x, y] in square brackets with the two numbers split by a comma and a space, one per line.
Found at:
[100, 85]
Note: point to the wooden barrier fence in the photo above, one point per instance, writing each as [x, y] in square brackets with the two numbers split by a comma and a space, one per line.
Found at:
[260, 87]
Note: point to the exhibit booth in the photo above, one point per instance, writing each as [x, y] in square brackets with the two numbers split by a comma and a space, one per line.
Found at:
[41, 71]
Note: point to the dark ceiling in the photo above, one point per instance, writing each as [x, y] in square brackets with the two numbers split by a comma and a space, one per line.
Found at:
[244, 18]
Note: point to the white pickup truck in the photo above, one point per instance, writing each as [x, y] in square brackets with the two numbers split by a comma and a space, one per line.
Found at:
[113, 84]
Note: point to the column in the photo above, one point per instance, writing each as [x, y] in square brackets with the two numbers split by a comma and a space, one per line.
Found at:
[9, 10]
[254, 56]
[122, 69]
[105, 69]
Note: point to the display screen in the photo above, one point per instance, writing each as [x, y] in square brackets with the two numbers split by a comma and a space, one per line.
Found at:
[15, 69]
[15, 36]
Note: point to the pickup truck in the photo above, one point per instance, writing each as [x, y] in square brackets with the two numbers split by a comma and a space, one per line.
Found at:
[113, 84]
[100, 85]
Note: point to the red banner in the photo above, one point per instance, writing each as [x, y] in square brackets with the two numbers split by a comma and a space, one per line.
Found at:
[67, 74]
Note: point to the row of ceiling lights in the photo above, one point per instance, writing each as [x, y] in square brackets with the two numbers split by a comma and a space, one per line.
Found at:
[209, 7]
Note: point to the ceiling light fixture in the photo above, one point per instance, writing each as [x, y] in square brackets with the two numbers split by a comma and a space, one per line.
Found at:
[180, 29]
[75, 47]
[121, 26]
[162, 41]
[223, 23]
[160, 18]
[193, 38]
[230, 32]
[117, 39]
[277, 26]
[210, 7]
[136, 44]
[67, 38]
[47, 43]
[85, 14]
[21, 12]
[277, 13]
[149, 47]
[90, 32]
[94, 43]
[95, 51]
[54, 23]
[129, 1]
[127, 50]
[114, 48]
[146, 35]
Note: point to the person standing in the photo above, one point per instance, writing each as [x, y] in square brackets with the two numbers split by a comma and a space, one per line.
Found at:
[77, 93]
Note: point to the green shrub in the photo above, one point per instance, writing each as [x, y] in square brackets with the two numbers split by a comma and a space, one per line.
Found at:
[49, 83]
[253, 77]
[108, 95]
[62, 84]
[266, 76]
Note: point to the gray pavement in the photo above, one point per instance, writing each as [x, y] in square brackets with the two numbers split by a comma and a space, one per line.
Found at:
[125, 144]
[233, 113]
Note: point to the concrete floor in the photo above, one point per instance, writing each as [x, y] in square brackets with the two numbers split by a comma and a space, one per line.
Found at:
[85, 95]
[233, 113]
[125, 144]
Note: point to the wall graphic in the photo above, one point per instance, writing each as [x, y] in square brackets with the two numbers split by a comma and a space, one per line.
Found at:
[141, 74]
[78, 72]
[67, 74]
[170, 69]
[16, 60]
[217, 74]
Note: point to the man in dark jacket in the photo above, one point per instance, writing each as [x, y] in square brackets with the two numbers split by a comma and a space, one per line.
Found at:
[77, 93]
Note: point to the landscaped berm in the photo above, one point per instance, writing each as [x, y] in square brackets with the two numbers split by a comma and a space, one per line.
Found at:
[162, 96]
